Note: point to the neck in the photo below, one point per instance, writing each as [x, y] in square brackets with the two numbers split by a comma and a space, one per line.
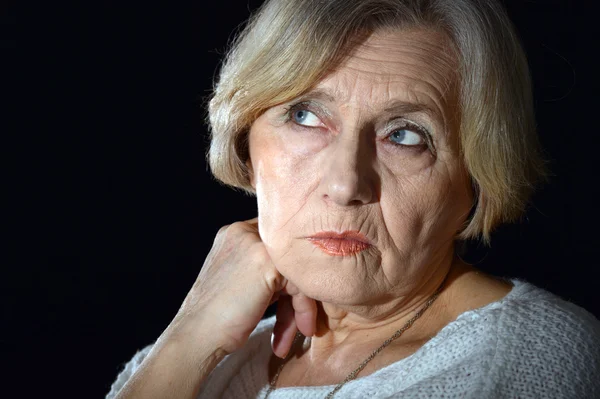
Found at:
[341, 330]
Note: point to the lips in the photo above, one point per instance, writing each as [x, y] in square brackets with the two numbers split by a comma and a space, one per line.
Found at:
[340, 244]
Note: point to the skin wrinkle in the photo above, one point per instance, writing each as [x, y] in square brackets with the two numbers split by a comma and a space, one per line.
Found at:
[346, 176]
[428, 101]
[439, 64]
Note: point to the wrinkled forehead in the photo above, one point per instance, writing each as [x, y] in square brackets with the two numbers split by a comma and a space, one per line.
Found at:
[413, 66]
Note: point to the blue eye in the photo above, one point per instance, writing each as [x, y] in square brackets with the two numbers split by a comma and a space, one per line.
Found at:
[406, 137]
[306, 118]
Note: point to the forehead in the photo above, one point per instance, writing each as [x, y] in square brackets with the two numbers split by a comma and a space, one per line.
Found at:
[413, 66]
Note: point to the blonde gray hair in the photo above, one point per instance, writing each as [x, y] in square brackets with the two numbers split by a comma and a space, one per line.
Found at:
[290, 45]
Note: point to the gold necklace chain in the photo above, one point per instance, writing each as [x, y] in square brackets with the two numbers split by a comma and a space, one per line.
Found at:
[354, 373]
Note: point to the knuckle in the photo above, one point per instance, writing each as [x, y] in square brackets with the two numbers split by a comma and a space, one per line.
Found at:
[273, 280]
[236, 228]
[233, 230]
[236, 225]
[223, 230]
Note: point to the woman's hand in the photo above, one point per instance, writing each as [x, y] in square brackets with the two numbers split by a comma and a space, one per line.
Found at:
[234, 288]
[236, 284]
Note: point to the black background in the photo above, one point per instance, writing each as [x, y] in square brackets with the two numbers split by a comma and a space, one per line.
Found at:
[129, 210]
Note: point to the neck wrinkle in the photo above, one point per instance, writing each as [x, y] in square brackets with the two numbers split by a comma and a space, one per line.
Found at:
[342, 334]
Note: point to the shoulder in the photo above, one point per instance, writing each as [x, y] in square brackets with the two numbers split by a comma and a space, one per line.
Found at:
[547, 343]
[531, 311]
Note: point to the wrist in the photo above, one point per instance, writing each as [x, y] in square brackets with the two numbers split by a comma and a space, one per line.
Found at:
[193, 334]
[177, 366]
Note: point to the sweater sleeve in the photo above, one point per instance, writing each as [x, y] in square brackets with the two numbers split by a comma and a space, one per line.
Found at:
[579, 364]
[130, 367]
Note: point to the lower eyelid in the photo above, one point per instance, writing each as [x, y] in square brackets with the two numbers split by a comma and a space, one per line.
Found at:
[304, 128]
[416, 149]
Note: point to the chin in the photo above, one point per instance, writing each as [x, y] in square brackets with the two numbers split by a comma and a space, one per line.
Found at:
[343, 280]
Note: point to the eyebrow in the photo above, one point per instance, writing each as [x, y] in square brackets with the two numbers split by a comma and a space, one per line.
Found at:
[318, 94]
[396, 107]
[403, 108]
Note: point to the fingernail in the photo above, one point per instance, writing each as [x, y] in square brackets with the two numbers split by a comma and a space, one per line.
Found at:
[273, 348]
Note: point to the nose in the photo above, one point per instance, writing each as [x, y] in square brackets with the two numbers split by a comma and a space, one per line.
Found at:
[348, 176]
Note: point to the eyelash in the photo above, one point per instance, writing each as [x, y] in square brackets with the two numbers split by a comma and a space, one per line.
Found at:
[413, 127]
[289, 112]
[304, 105]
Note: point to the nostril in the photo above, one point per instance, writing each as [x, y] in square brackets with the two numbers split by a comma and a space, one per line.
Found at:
[357, 202]
[348, 195]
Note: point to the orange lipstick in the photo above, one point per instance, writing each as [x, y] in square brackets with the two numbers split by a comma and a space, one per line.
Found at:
[340, 244]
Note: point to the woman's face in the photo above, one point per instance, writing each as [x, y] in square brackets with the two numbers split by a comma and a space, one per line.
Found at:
[360, 185]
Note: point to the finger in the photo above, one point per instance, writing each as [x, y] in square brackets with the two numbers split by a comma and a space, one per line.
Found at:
[305, 314]
[290, 289]
[285, 329]
[252, 222]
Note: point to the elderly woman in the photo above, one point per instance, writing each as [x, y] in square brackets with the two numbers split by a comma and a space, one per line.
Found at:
[376, 135]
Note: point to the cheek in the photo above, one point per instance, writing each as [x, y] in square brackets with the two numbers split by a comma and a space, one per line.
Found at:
[283, 184]
[285, 157]
[301, 143]
[279, 178]
[447, 207]
[402, 207]
[425, 207]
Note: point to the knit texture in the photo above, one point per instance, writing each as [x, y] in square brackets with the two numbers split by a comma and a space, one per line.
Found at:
[530, 344]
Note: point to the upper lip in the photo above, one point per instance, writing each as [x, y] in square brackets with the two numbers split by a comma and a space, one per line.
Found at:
[345, 235]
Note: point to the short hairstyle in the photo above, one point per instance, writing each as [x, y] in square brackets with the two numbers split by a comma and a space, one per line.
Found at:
[288, 46]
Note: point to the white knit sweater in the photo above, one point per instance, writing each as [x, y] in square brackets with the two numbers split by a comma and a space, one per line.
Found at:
[530, 344]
